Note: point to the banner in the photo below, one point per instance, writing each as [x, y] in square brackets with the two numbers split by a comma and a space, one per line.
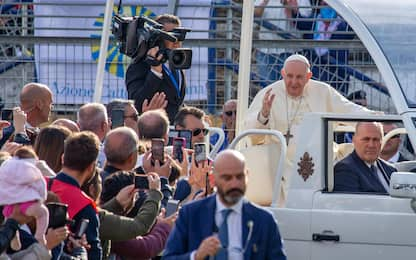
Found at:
[70, 69]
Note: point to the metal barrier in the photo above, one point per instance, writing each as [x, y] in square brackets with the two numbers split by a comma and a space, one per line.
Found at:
[21, 40]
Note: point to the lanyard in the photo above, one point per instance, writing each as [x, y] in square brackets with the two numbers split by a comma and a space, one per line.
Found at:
[172, 78]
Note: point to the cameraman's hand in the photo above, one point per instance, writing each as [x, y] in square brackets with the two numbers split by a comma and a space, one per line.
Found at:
[126, 195]
[154, 181]
[152, 53]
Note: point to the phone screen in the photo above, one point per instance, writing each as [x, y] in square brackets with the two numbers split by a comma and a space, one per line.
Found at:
[200, 152]
[187, 134]
[141, 182]
[57, 214]
[158, 150]
[7, 114]
[172, 134]
[117, 118]
[171, 207]
[81, 228]
[178, 143]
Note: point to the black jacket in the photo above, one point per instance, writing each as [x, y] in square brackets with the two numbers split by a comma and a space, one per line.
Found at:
[142, 84]
[7, 232]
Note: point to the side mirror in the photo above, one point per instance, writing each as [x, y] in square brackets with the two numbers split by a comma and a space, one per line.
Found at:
[403, 185]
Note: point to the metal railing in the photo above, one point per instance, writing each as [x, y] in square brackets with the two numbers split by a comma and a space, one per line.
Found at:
[21, 40]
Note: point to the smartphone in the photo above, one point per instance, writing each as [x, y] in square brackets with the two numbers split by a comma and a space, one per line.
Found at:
[58, 214]
[82, 227]
[187, 134]
[141, 182]
[171, 207]
[207, 186]
[7, 114]
[172, 134]
[200, 152]
[117, 118]
[158, 150]
[178, 144]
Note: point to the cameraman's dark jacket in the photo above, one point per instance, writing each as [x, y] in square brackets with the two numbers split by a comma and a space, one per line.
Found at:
[142, 84]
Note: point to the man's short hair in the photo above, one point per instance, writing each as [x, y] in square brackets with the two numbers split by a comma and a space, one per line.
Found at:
[153, 124]
[183, 112]
[80, 150]
[118, 103]
[168, 18]
[118, 151]
[91, 116]
[377, 124]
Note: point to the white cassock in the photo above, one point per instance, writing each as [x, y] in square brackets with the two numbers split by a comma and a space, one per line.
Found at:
[286, 110]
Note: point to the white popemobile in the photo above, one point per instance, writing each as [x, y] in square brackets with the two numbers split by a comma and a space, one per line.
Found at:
[317, 223]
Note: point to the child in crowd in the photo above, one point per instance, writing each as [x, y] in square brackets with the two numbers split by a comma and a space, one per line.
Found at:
[22, 183]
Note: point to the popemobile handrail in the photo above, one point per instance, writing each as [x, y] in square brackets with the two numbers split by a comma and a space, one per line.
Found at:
[280, 166]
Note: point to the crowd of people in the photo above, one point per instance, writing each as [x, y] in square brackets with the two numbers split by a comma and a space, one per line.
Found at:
[100, 187]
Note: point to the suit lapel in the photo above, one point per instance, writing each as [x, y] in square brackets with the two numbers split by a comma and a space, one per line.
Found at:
[171, 87]
[383, 171]
[208, 218]
[246, 219]
[371, 178]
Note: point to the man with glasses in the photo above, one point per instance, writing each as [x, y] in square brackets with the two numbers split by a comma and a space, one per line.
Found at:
[229, 114]
[192, 118]
[225, 225]
[130, 116]
[144, 80]
[390, 150]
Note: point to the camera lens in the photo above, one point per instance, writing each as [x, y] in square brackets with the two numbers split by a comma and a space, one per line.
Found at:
[178, 58]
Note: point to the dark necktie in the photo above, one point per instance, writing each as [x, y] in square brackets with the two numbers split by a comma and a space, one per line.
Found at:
[374, 172]
[223, 235]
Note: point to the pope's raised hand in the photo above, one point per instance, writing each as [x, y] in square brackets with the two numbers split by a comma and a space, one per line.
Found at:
[267, 103]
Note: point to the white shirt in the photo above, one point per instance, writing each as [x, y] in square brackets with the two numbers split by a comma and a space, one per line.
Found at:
[235, 233]
[394, 158]
[101, 156]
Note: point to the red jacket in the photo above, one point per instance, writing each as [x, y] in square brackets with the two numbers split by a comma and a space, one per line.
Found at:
[71, 195]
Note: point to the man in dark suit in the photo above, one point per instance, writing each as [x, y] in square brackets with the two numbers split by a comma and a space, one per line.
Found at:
[225, 225]
[391, 150]
[363, 170]
[143, 80]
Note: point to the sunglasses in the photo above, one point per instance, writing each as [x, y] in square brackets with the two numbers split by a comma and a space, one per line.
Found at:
[230, 113]
[197, 131]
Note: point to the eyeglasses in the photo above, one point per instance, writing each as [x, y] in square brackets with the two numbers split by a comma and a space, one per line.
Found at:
[197, 131]
[134, 117]
[230, 113]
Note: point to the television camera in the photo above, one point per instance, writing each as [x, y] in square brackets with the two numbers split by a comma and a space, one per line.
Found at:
[137, 34]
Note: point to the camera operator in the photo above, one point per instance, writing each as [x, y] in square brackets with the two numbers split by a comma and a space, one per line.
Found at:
[143, 81]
